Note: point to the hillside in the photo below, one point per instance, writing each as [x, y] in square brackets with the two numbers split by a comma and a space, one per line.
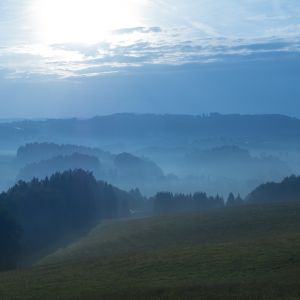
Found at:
[222, 226]
[249, 252]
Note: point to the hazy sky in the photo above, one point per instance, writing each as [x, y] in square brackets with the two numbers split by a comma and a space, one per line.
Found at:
[86, 57]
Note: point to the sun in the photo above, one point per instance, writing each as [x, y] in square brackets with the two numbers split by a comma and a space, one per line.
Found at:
[84, 21]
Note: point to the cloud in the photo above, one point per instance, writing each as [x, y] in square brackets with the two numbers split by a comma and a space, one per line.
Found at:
[138, 29]
[208, 30]
[138, 47]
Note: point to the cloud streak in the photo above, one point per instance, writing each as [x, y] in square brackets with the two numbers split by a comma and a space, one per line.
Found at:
[136, 48]
[175, 33]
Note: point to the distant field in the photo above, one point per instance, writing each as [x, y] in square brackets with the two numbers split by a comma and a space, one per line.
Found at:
[249, 252]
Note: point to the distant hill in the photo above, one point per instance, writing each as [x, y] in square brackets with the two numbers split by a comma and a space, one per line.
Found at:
[133, 168]
[219, 154]
[35, 152]
[48, 167]
[169, 128]
[125, 169]
[238, 162]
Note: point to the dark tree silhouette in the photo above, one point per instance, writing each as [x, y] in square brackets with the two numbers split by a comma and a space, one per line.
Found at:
[164, 203]
[234, 201]
[61, 207]
[287, 190]
[10, 234]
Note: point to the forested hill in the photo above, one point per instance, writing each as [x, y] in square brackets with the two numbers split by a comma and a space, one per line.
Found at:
[52, 211]
[145, 126]
[287, 190]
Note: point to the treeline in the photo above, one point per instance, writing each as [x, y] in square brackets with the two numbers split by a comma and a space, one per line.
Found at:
[34, 152]
[166, 203]
[288, 190]
[56, 209]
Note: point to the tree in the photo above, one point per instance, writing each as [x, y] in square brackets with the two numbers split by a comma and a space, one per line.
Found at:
[239, 200]
[163, 203]
[230, 200]
[10, 234]
[234, 201]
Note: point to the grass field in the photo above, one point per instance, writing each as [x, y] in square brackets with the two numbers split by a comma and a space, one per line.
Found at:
[248, 252]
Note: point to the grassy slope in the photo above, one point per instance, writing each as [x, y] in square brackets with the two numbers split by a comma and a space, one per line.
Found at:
[240, 253]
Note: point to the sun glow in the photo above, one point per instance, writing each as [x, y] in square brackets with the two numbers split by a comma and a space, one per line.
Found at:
[84, 21]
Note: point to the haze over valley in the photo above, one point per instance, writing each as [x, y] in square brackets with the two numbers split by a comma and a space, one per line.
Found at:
[149, 149]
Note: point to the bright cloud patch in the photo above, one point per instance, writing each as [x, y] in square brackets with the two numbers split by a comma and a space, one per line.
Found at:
[67, 38]
[137, 47]
[84, 21]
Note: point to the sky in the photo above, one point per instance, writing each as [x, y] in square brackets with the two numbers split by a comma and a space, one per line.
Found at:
[80, 58]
